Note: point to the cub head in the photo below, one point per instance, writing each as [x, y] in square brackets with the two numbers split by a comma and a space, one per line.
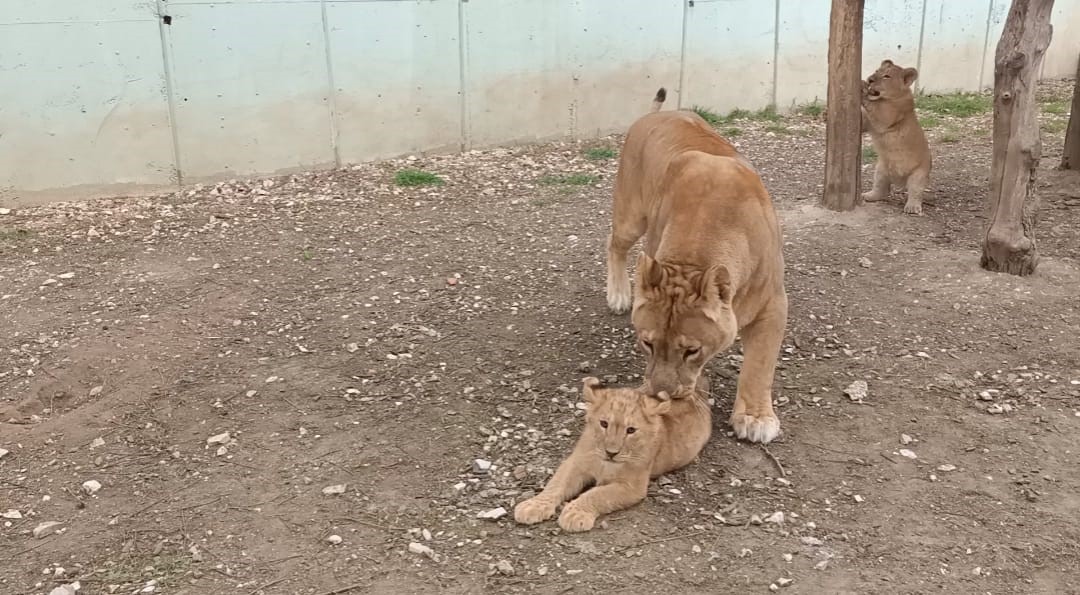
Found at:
[622, 422]
[683, 317]
[890, 81]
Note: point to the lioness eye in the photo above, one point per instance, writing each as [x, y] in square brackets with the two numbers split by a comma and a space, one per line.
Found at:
[631, 430]
[648, 345]
[886, 77]
[603, 424]
[692, 352]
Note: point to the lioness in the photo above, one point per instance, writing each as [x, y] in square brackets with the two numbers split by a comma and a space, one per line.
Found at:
[629, 437]
[888, 109]
[711, 266]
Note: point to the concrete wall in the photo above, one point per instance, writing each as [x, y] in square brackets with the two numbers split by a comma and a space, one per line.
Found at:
[105, 97]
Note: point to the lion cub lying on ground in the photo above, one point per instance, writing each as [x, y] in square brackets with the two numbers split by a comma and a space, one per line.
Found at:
[629, 437]
[888, 108]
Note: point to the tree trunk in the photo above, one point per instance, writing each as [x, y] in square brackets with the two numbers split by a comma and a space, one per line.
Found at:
[1009, 244]
[1071, 158]
[843, 128]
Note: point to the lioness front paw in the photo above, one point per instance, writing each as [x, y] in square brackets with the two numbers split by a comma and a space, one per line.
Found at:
[618, 297]
[913, 208]
[575, 520]
[533, 511]
[755, 429]
[871, 196]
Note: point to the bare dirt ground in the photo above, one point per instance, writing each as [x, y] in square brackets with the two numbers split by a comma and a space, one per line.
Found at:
[345, 331]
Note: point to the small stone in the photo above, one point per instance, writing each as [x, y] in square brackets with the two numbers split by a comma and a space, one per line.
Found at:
[784, 581]
[97, 443]
[11, 514]
[905, 439]
[808, 540]
[334, 539]
[272, 379]
[66, 275]
[857, 391]
[47, 528]
[5, 211]
[334, 489]
[822, 565]
[91, 487]
[481, 466]
[419, 548]
[865, 262]
[584, 367]
[908, 454]
[946, 468]
[222, 438]
[493, 514]
[543, 570]
[68, 589]
[4, 452]
[977, 571]
[776, 517]
[352, 348]
[505, 568]
[451, 281]
[788, 557]
[986, 396]
[425, 534]
[774, 587]
[745, 552]
[995, 409]
[859, 498]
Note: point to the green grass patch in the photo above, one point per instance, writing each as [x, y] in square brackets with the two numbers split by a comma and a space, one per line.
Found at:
[713, 118]
[569, 180]
[813, 109]
[1058, 108]
[777, 129]
[869, 154]
[766, 114]
[1055, 125]
[731, 132]
[416, 177]
[961, 105]
[600, 153]
[928, 122]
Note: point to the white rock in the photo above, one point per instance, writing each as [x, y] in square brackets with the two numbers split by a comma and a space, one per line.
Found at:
[542, 570]
[272, 379]
[774, 587]
[5, 211]
[808, 540]
[995, 409]
[908, 454]
[334, 539]
[47, 528]
[481, 466]
[97, 443]
[905, 439]
[222, 438]
[865, 262]
[859, 498]
[783, 581]
[425, 534]
[66, 275]
[68, 589]
[334, 489]
[857, 391]
[822, 565]
[419, 548]
[505, 568]
[776, 517]
[91, 487]
[96, 391]
[946, 467]
[493, 514]
[11, 514]
[3, 452]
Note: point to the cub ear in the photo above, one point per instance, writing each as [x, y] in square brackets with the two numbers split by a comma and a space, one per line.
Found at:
[910, 74]
[650, 274]
[885, 63]
[658, 405]
[717, 281]
[590, 390]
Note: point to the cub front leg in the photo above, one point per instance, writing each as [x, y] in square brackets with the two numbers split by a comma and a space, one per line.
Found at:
[881, 188]
[916, 184]
[567, 482]
[581, 514]
[752, 417]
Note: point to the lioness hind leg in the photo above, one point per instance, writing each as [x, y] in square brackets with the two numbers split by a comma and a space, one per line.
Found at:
[916, 184]
[581, 514]
[624, 233]
[752, 417]
[567, 482]
[881, 188]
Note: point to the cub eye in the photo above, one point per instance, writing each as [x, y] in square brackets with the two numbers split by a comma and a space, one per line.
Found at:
[603, 424]
[647, 345]
[631, 430]
[692, 352]
[886, 76]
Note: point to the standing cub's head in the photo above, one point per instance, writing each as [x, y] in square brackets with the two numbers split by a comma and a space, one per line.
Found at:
[890, 81]
[683, 317]
[623, 423]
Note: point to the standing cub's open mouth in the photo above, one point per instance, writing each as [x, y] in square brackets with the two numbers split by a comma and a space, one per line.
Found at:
[873, 94]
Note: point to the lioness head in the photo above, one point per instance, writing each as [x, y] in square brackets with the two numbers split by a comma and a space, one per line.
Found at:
[890, 81]
[683, 317]
[623, 422]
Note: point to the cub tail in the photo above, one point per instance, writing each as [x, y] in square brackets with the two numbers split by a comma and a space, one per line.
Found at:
[658, 101]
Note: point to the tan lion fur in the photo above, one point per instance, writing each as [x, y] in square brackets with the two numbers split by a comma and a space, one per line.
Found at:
[666, 434]
[711, 266]
[888, 108]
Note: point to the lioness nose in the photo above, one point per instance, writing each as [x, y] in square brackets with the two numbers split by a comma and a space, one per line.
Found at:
[611, 453]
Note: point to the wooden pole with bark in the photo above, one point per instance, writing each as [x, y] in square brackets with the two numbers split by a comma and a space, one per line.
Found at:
[1071, 157]
[843, 128]
[1009, 243]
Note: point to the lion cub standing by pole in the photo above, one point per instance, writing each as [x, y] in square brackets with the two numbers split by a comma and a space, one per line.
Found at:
[629, 437]
[888, 109]
[711, 267]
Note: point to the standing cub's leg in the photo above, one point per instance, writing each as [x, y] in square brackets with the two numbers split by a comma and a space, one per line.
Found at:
[567, 482]
[881, 188]
[916, 184]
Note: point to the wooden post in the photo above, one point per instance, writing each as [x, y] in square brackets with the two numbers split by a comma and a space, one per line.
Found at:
[843, 127]
[1009, 245]
[1071, 157]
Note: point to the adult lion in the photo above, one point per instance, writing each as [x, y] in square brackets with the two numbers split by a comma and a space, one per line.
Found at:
[711, 267]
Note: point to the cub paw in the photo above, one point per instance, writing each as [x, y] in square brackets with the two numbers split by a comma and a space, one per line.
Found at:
[533, 511]
[755, 429]
[913, 208]
[871, 197]
[575, 520]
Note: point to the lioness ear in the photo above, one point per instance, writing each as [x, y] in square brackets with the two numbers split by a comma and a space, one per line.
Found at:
[653, 406]
[589, 390]
[717, 281]
[885, 63]
[650, 274]
[910, 74]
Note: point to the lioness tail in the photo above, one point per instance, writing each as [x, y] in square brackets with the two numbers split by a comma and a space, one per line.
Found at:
[658, 101]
